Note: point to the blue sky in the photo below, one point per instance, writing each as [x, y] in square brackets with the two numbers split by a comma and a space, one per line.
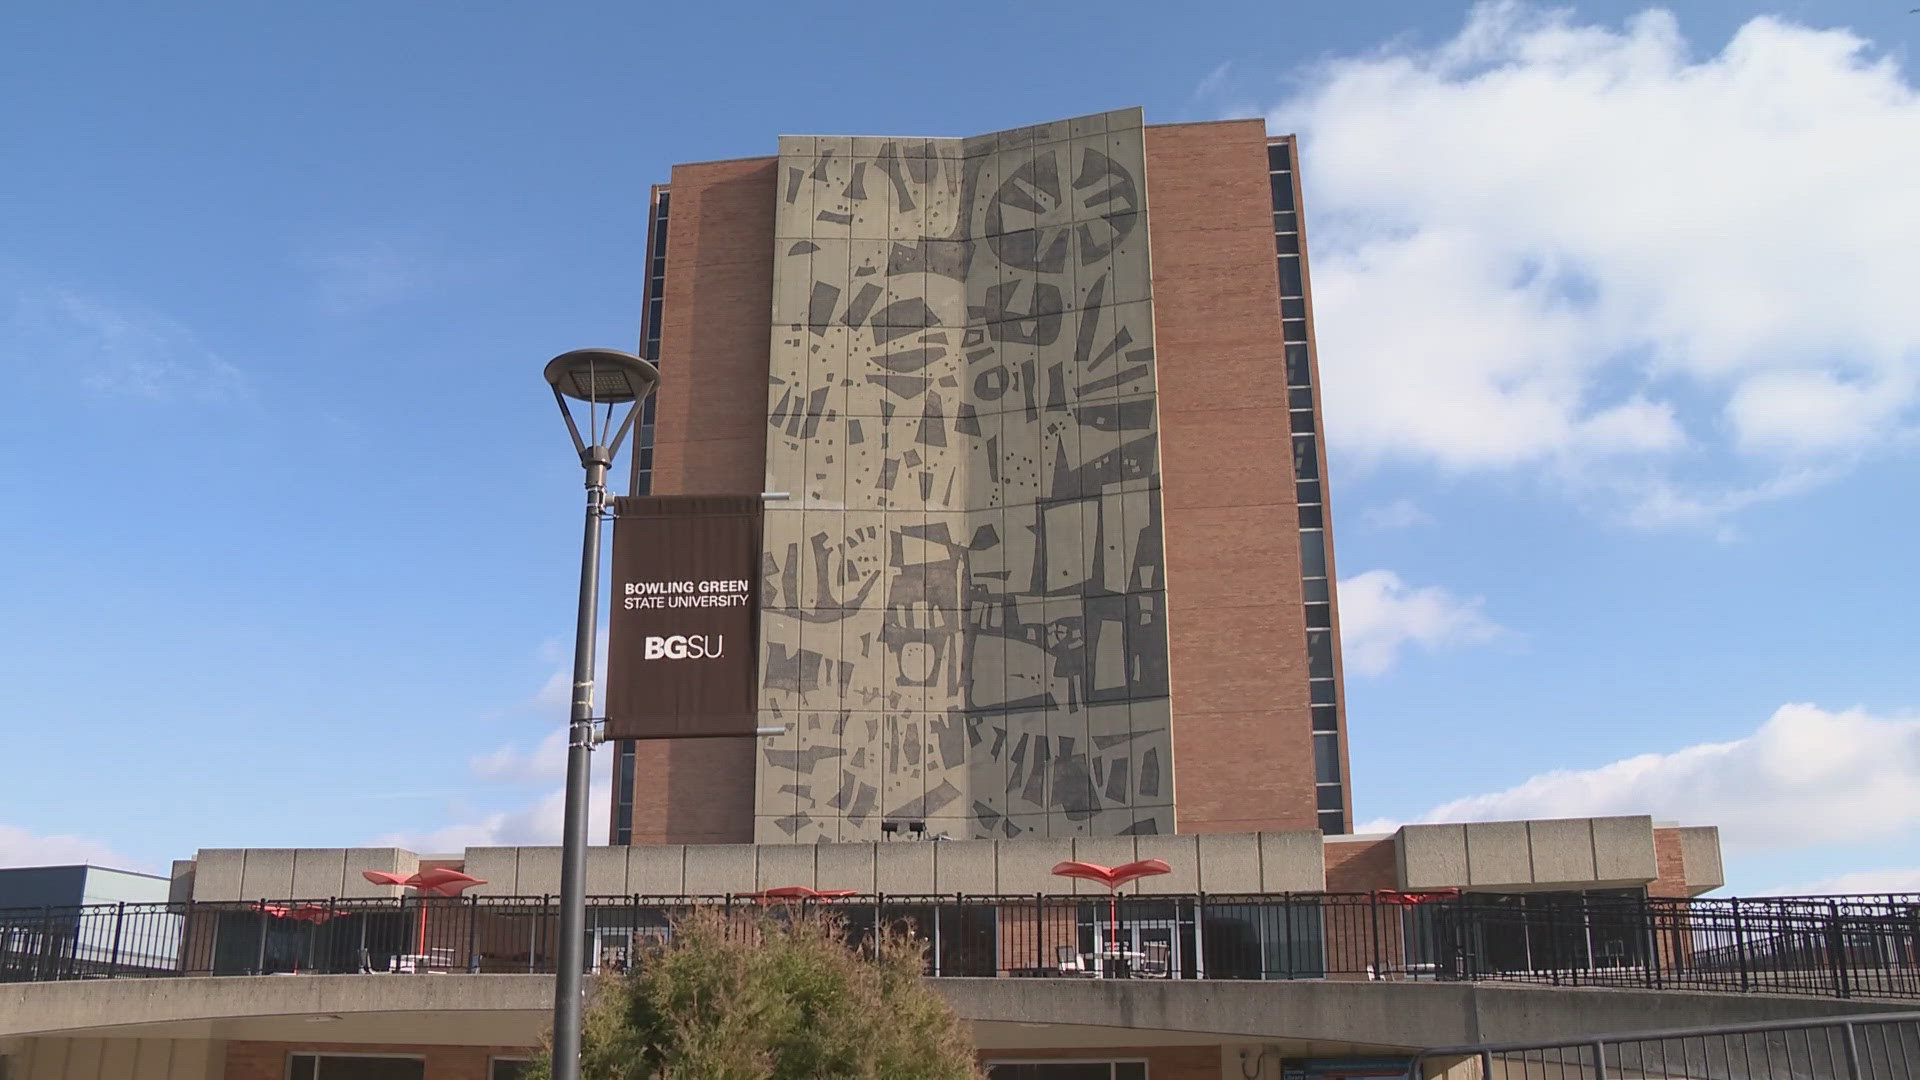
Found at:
[1616, 324]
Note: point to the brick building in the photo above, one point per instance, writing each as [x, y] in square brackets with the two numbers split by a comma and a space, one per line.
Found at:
[1054, 558]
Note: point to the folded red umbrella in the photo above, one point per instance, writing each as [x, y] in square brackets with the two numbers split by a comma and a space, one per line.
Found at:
[801, 892]
[438, 881]
[1113, 876]
[1393, 896]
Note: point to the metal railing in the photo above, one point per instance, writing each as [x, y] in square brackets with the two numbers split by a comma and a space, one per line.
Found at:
[1883, 1046]
[1841, 946]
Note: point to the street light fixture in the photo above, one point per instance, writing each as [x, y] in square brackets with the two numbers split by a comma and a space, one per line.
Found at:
[605, 380]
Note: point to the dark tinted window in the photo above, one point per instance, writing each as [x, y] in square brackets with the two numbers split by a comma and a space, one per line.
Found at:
[1330, 822]
[1282, 191]
[1311, 517]
[1313, 554]
[1307, 491]
[1290, 279]
[1294, 308]
[1286, 243]
[1320, 654]
[1291, 330]
[1320, 691]
[350, 1067]
[1303, 422]
[1319, 616]
[1326, 718]
[1316, 590]
[1277, 156]
[508, 1068]
[1330, 797]
[1326, 762]
[1306, 463]
[1300, 397]
[1299, 367]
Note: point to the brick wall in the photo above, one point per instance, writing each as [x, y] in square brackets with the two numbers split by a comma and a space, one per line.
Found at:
[710, 438]
[1242, 744]
[1362, 865]
[1670, 863]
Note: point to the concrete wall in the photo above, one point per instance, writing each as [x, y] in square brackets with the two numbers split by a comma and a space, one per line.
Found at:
[1568, 853]
[1700, 850]
[230, 874]
[1572, 853]
[1228, 863]
[117, 1059]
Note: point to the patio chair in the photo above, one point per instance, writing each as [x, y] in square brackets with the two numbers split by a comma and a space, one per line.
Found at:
[1072, 963]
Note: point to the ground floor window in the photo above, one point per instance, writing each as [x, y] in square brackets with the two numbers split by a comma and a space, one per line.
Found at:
[355, 1067]
[508, 1068]
[1067, 1070]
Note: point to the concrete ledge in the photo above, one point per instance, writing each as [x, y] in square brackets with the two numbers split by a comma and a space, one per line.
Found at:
[1393, 1014]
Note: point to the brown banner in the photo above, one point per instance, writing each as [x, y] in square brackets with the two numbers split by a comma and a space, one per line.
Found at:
[686, 614]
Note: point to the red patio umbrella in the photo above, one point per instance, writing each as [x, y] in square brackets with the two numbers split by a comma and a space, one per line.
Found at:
[800, 892]
[437, 881]
[1394, 896]
[1112, 877]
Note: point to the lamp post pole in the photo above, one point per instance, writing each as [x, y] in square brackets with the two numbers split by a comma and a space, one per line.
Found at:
[569, 980]
[598, 377]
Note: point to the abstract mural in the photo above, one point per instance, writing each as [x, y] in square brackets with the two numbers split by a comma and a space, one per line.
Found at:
[964, 607]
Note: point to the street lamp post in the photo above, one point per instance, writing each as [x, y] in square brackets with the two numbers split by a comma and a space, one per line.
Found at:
[604, 380]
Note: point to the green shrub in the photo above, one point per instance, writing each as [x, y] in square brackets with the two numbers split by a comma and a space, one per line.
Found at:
[750, 997]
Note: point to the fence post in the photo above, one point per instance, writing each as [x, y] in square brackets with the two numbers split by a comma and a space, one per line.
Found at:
[119, 925]
[1836, 949]
[1740, 945]
[43, 958]
[185, 945]
[1853, 1050]
[473, 935]
[1040, 933]
[1199, 936]
[1375, 969]
[1599, 1060]
[1553, 946]
[260, 958]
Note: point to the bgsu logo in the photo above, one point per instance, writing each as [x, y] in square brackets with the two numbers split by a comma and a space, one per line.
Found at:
[685, 647]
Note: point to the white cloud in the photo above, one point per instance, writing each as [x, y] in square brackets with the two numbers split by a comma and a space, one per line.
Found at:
[535, 822]
[110, 349]
[351, 276]
[18, 847]
[1380, 615]
[506, 773]
[1213, 82]
[1398, 514]
[512, 764]
[1673, 283]
[1901, 880]
[1805, 776]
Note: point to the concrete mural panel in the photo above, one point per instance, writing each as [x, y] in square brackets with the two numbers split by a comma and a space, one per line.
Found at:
[965, 617]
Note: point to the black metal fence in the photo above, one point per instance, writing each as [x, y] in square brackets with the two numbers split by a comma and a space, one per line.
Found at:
[1874, 1047]
[1852, 946]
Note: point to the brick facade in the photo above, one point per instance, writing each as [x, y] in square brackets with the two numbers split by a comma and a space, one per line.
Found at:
[1242, 742]
[710, 438]
[1671, 864]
